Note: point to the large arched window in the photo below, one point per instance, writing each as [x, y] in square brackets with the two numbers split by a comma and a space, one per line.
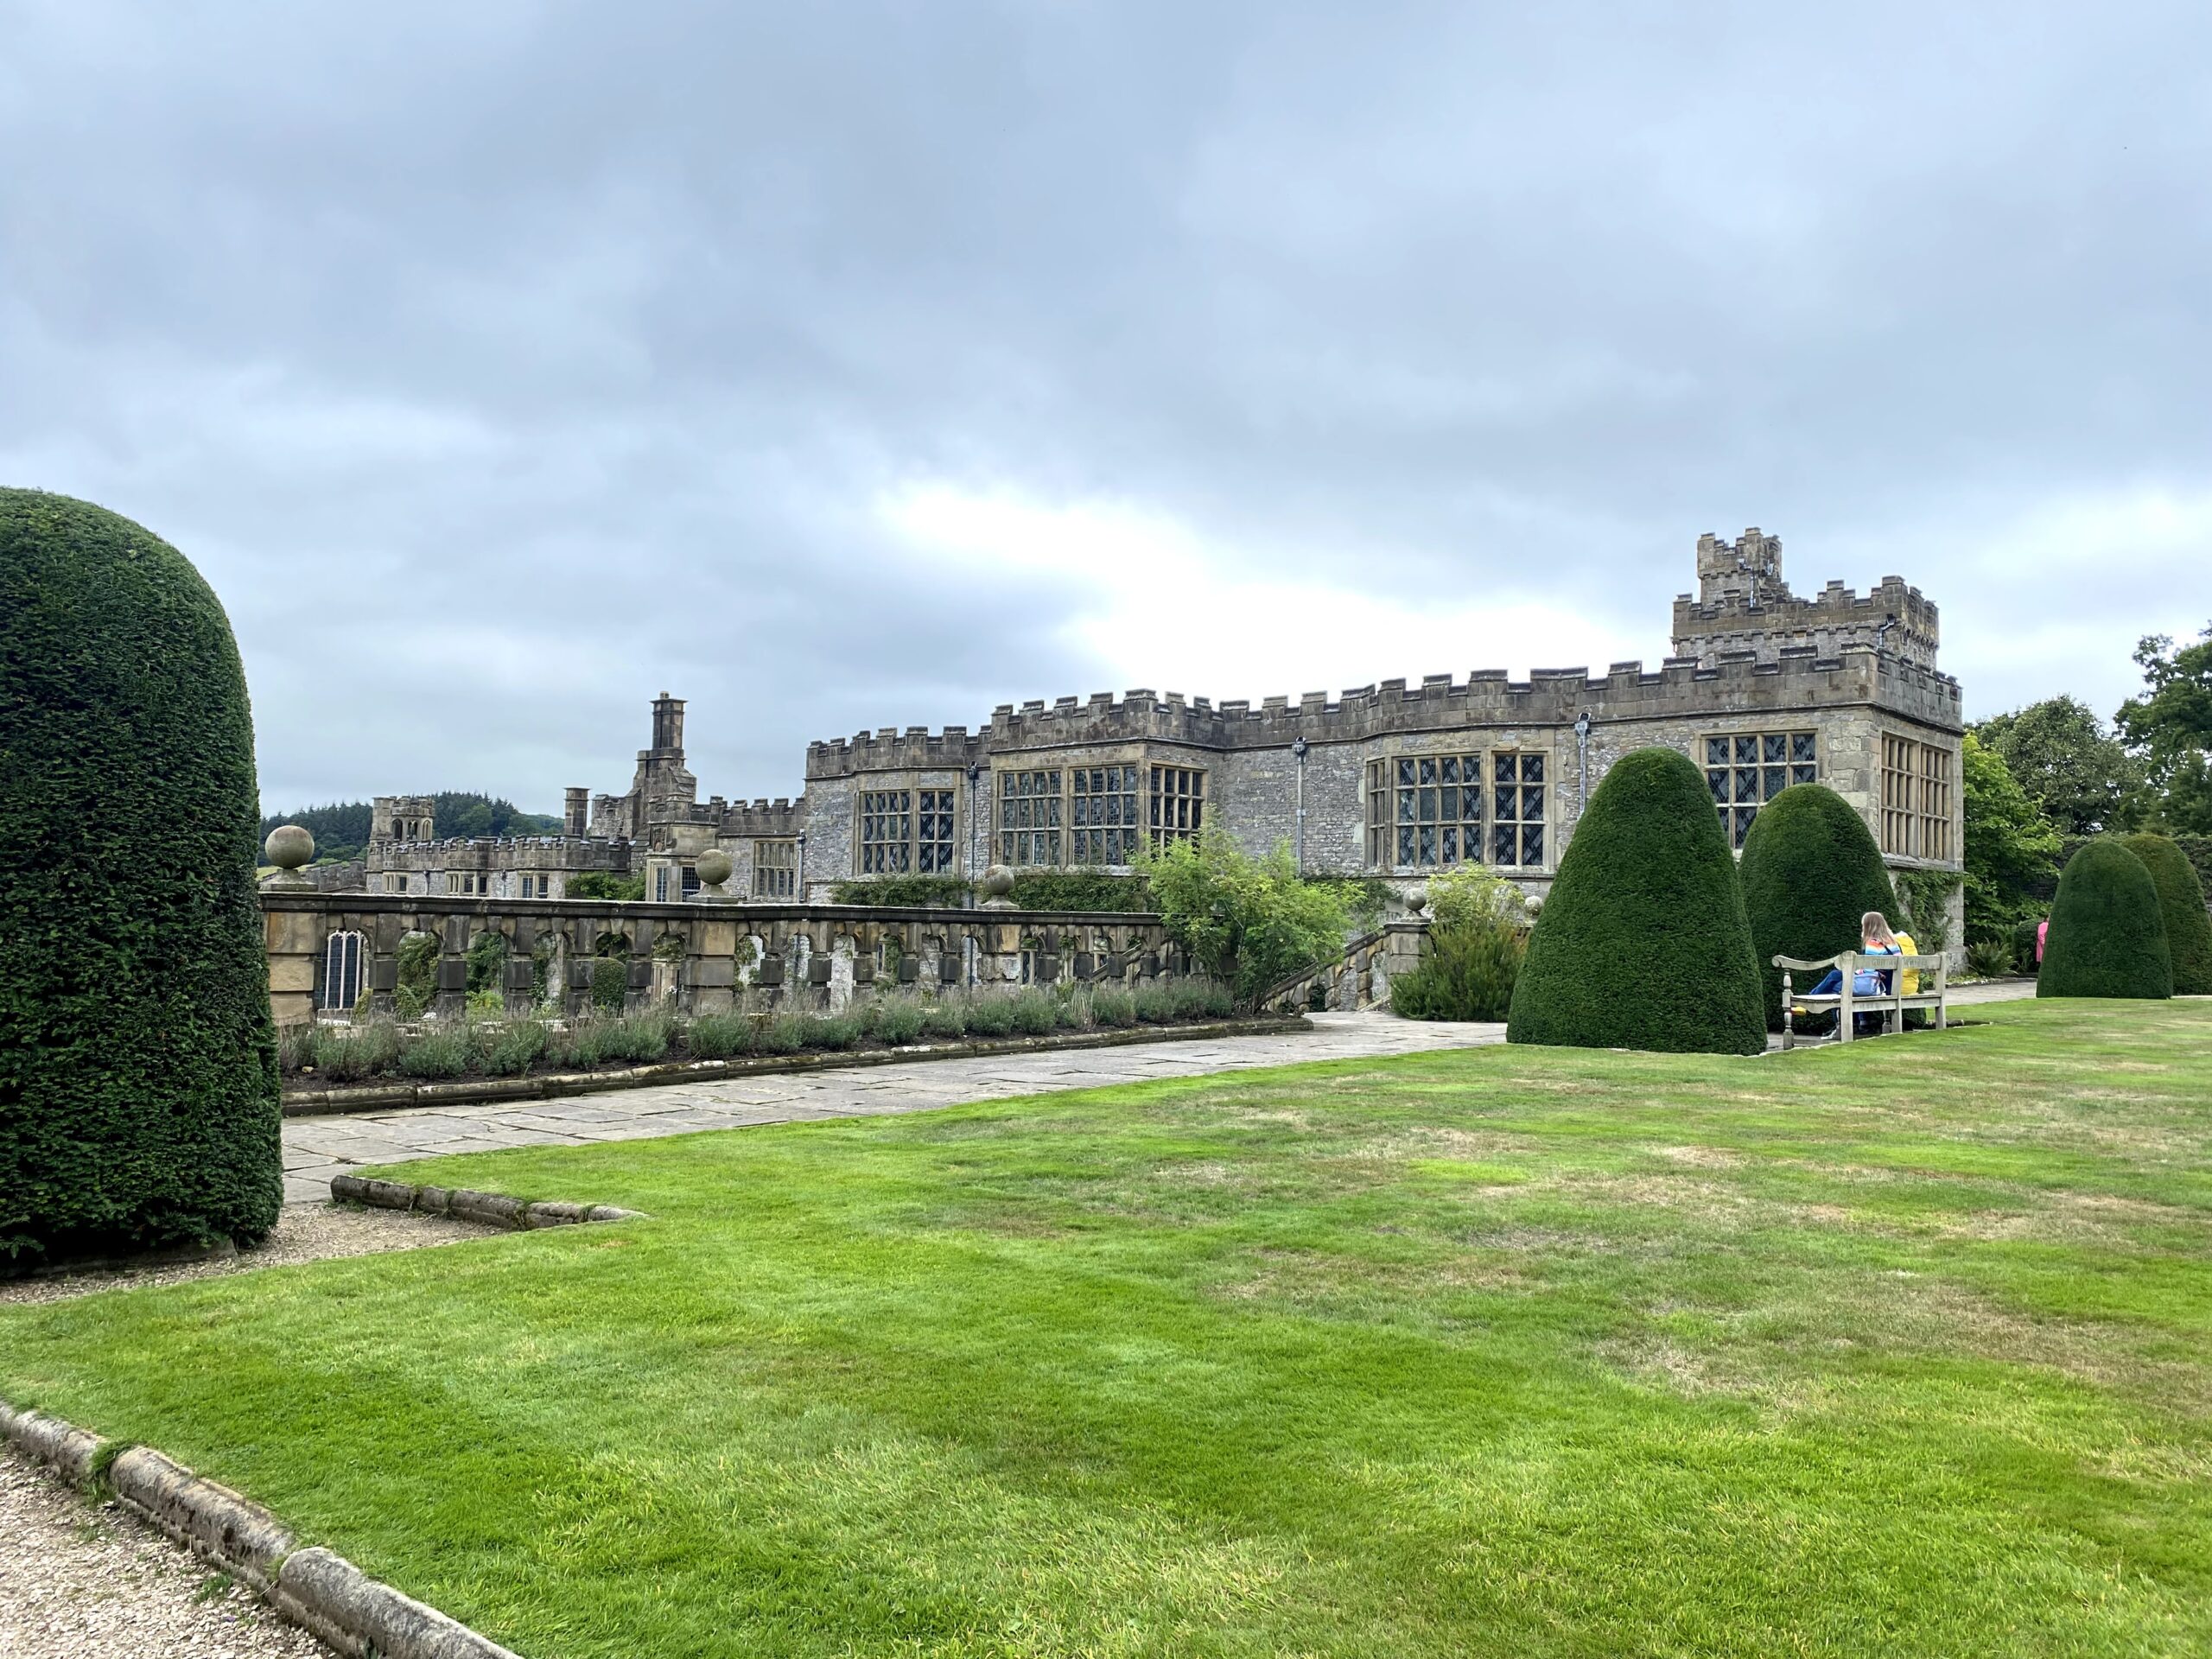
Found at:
[342, 954]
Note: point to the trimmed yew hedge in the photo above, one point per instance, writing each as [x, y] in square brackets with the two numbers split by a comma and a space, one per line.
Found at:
[1810, 872]
[2181, 903]
[2107, 930]
[1644, 943]
[138, 1093]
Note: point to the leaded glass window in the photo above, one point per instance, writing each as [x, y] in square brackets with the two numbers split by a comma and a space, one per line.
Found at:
[1103, 815]
[887, 823]
[1029, 817]
[1439, 810]
[341, 970]
[1745, 770]
[1517, 794]
[1178, 802]
[933, 831]
[775, 869]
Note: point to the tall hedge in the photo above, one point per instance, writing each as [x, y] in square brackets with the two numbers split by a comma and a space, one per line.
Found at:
[1644, 943]
[2107, 930]
[138, 1102]
[2181, 902]
[1810, 872]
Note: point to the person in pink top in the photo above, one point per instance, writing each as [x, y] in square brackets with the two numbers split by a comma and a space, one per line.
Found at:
[2043, 933]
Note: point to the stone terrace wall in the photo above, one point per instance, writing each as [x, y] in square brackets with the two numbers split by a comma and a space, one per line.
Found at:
[703, 955]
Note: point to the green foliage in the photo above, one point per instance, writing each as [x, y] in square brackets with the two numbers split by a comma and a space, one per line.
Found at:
[515, 1047]
[1079, 889]
[903, 891]
[1990, 958]
[1927, 901]
[1112, 1005]
[486, 957]
[1252, 922]
[1810, 872]
[1468, 973]
[418, 975]
[137, 1060]
[2025, 933]
[1644, 943]
[610, 983]
[2012, 849]
[2171, 725]
[2078, 775]
[2107, 929]
[1471, 893]
[340, 830]
[1367, 898]
[463, 814]
[436, 1054]
[2181, 903]
[605, 887]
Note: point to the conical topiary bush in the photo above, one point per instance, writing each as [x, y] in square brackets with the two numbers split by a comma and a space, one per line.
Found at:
[1644, 943]
[2181, 903]
[2107, 930]
[1811, 871]
[138, 1102]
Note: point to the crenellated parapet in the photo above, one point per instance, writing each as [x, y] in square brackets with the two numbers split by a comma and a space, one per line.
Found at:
[1736, 679]
[1743, 604]
[763, 818]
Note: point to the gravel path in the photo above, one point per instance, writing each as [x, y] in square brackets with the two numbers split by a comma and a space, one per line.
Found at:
[80, 1582]
[304, 1232]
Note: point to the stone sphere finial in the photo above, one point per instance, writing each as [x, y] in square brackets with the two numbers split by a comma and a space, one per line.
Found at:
[713, 868]
[996, 883]
[287, 847]
[1416, 902]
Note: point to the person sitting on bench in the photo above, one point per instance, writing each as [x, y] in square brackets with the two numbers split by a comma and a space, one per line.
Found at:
[1875, 939]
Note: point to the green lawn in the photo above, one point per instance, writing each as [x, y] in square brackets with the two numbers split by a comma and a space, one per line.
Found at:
[1904, 1348]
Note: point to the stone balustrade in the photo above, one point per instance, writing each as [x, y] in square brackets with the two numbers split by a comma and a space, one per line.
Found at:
[327, 950]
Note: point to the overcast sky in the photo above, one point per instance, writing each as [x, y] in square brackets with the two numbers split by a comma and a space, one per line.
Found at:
[842, 366]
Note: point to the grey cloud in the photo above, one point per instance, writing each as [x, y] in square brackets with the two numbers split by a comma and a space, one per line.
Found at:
[502, 363]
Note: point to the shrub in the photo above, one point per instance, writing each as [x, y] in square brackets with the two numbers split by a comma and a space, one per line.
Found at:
[418, 975]
[2108, 931]
[606, 887]
[442, 1051]
[833, 1030]
[513, 1048]
[782, 1033]
[1253, 922]
[1990, 958]
[1810, 871]
[486, 955]
[717, 1036]
[990, 1016]
[348, 1054]
[139, 1080]
[1468, 973]
[2181, 901]
[898, 1021]
[1079, 889]
[1035, 1011]
[2024, 947]
[638, 1038]
[1644, 943]
[922, 892]
[944, 1021]
[1154, 1003]
[1113, 1004]
[610, 983]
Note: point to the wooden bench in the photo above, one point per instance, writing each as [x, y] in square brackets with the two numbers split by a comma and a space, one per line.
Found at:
[1847, 1003]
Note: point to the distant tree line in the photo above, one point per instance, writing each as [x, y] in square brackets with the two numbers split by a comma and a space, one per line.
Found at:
[341, 829]
[2042, 779]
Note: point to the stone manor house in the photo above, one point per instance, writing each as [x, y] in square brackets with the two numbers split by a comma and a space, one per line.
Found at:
[1765, 687]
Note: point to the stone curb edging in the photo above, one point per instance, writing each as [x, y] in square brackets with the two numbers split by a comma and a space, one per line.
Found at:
[395, 1097]
[466, 1204]
[321, 1592]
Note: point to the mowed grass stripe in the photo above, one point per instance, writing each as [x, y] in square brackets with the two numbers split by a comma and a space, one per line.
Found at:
[1900, 1347]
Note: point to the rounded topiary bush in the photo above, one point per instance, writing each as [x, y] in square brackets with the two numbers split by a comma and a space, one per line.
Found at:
[1644, 943]
[2108, 931]
[2181, 901]
[1810, 872]
[138, 1102]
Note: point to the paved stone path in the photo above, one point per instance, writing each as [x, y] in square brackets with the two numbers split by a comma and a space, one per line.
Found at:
[315, 1148]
